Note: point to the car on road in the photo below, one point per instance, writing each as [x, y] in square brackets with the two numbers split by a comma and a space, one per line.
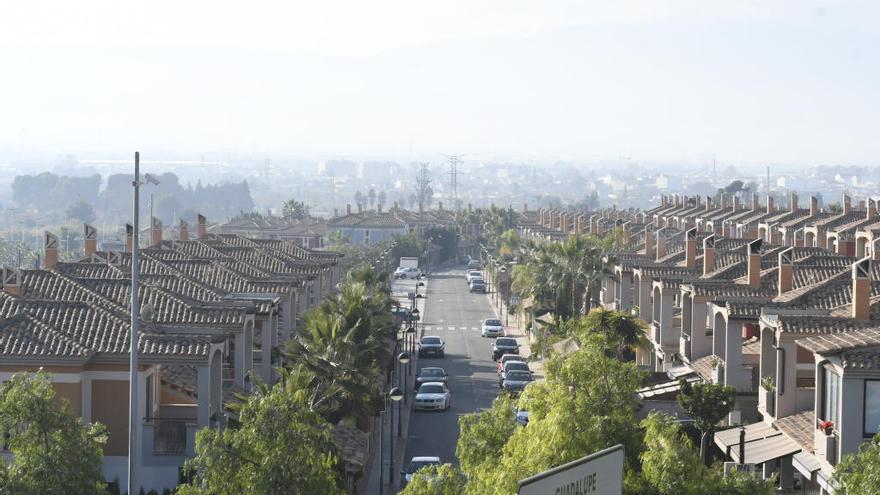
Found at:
[431, 345]
[474, 265]
[433, 396]
[472, 274]
[505, 358]
[408, 272]
[521, 417]
[516, 381]
[511, 366]
[504, 345]
[415, 464]
[430, 374]
[477, 285]
[491, 327]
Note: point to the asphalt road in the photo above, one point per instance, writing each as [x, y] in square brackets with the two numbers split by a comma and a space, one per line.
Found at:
[454, 314]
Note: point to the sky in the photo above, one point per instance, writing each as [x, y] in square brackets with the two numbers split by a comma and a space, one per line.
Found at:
[751, 82]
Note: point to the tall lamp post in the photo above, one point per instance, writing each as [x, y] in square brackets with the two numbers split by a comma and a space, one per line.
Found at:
[133, 486]
[395, 394]
[411, 337]
[403, 359]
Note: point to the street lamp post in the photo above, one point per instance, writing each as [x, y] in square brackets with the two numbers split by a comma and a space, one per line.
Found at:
[403, 359]
[411, 337]
[415, 313]
[133, 486]
[395, 394]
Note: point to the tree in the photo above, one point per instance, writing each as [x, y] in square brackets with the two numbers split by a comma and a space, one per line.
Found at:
[281, 447]
[81, 211]
[620, 327]
[436, 480]
[294, 210]
[53, 452]
[859, 473]
[484, 434]
[707, 404]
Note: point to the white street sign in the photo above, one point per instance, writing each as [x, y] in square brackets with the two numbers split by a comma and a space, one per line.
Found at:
[597, 474]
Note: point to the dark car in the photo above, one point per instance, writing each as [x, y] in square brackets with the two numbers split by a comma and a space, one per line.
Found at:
[432, 374]
[516, 381]
[431, 345]
[477, 285]
[504, 345]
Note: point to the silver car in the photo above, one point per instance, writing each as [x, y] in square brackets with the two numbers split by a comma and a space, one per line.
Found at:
[492, 327]
[433, 396]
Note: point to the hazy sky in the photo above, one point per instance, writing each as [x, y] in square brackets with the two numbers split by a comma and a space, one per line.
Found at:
[746, 81]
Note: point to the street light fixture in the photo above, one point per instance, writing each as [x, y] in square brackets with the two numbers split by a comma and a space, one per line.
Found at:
[395, 394]
[403, 359]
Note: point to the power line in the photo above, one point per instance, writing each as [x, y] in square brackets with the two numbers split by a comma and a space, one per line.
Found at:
[454, 162]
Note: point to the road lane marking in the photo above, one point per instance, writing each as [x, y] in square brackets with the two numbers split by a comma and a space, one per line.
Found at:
[450, 328]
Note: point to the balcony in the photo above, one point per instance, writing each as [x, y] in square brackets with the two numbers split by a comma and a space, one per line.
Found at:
[169, 436]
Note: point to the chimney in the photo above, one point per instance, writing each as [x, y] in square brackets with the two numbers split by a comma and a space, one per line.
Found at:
[335, 212]
[814, 206]
[708, 254]
[525, 207]
[770, 208]
[847, 204]
[690, 249]
[155, 231]
[649, 241]
[563, 223]
[360, 208]
[129, 237]
[379, 207]
[755, 203]
[663, 200]
[90, 239]
[794, 202]
[871, 206]
[440, 205]
[11, 279]
[861, 295]
[50, 248]
[736, 203]
[661, 245]
[184, 230]
[421, 208]
[723, 199]
[754, 263]
[202, 226]
[348, 208]
[708, 203]
[470, 208]
[786, 270]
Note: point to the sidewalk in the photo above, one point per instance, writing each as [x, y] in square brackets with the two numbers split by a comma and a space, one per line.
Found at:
[516, 328]
[372, 486]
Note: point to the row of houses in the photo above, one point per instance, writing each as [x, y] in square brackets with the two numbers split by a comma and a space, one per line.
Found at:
[782, 303]
[215, 309]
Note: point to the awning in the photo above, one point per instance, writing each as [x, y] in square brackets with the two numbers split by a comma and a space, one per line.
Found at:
[762, 444]
[679, 371]
[656, 390]
[806, 463]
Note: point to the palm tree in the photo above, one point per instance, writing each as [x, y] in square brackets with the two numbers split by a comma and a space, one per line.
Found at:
[620, 327]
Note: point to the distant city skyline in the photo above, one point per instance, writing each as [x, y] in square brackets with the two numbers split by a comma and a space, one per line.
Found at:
[750, 83]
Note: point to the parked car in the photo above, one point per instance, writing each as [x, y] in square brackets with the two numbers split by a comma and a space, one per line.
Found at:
[472, 274]
[430, 374]
[433, 396]
[504, 345]
[505, 358]
[516, 381]
[521, 417]
[414, 465]
[408, 272]
[492, 327]
[474, 265]
[513, 365]
[477, 285]
[431, 345]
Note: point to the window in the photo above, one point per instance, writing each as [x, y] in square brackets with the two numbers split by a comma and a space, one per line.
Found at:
[872, 407]
[830, 396]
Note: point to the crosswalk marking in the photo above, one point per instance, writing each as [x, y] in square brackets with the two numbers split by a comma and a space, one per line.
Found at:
[450, 328]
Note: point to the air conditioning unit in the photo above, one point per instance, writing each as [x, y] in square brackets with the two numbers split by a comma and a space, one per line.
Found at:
[742, 468]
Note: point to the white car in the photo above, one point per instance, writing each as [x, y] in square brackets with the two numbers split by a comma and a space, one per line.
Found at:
[492, 327]
[409, 272]
[415, 464]
[472, 274]
[433, 396]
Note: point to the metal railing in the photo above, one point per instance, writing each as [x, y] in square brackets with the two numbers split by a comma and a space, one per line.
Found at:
[169, 436]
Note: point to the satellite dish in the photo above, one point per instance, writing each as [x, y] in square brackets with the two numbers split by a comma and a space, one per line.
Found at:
[147, 312]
